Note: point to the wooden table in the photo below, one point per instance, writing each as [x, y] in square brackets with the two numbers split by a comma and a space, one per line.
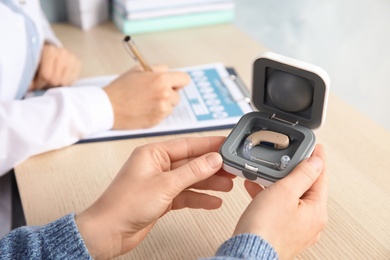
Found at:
[69, 179]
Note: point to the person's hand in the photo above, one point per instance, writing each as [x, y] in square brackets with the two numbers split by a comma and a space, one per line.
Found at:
[156, 178]
[291, 213]
[57, 67]
[143, 99]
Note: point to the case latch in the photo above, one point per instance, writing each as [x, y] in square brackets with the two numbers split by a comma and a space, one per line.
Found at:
[251, 168]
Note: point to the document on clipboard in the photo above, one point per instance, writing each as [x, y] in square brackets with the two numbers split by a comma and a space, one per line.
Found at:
[215, 99]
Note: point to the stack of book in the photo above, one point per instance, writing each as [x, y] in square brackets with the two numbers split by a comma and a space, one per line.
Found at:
[143, 16]
[87, 13]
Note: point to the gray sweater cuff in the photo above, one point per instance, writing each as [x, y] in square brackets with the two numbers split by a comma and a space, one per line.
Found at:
[246, 246]
[57, 240]
[62, 239]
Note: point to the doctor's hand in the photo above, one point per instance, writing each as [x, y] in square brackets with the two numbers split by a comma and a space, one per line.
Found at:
[57, 67]
[291, 213]
[155, 179]
[143, 99]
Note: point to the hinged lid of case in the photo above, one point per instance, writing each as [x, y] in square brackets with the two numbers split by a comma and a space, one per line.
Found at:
[290, 90]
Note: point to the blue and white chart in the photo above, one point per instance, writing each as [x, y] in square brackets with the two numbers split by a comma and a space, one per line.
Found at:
[213, 100]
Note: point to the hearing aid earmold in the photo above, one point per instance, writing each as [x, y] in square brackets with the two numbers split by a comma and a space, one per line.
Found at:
[279, 141]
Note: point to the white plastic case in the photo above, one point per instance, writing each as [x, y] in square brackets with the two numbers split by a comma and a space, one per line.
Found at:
[290, 97]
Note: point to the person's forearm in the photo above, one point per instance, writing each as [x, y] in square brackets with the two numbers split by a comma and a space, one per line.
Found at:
[57, 240]
[59, 118]
[245, 246]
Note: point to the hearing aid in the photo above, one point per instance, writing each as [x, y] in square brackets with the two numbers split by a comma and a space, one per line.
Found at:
[278, 140]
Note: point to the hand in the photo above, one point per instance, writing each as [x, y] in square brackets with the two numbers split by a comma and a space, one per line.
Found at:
[143, 99]
[291, 213]
[57, 67]
[156, 178]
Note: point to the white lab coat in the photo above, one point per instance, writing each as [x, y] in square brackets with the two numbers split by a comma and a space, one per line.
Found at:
[59, 118]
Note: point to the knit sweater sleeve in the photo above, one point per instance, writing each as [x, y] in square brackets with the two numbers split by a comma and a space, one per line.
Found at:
[245, 246]
[57, 240]
[62, 240]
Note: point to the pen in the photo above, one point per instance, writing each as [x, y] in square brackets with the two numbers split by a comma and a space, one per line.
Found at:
[133, 51]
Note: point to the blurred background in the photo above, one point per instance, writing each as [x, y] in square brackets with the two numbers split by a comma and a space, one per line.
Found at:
[349, 39]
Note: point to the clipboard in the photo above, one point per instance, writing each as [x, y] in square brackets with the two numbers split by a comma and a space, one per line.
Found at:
[215, 99]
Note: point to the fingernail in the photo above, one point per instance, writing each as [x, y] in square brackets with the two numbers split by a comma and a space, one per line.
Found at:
[214, 160]
[316, 162]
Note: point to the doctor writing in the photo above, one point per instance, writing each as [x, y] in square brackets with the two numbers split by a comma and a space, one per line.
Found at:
[279, 222]
[32, 58]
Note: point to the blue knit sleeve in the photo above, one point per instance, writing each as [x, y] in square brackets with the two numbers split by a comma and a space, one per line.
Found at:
[57, 240]
[245, 246]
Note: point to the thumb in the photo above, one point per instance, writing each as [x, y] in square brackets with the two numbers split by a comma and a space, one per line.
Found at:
[33, 84]
[304, 175]
[197, 170]
[31, 87]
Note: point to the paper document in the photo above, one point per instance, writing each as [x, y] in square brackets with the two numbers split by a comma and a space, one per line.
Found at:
[213, 100]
